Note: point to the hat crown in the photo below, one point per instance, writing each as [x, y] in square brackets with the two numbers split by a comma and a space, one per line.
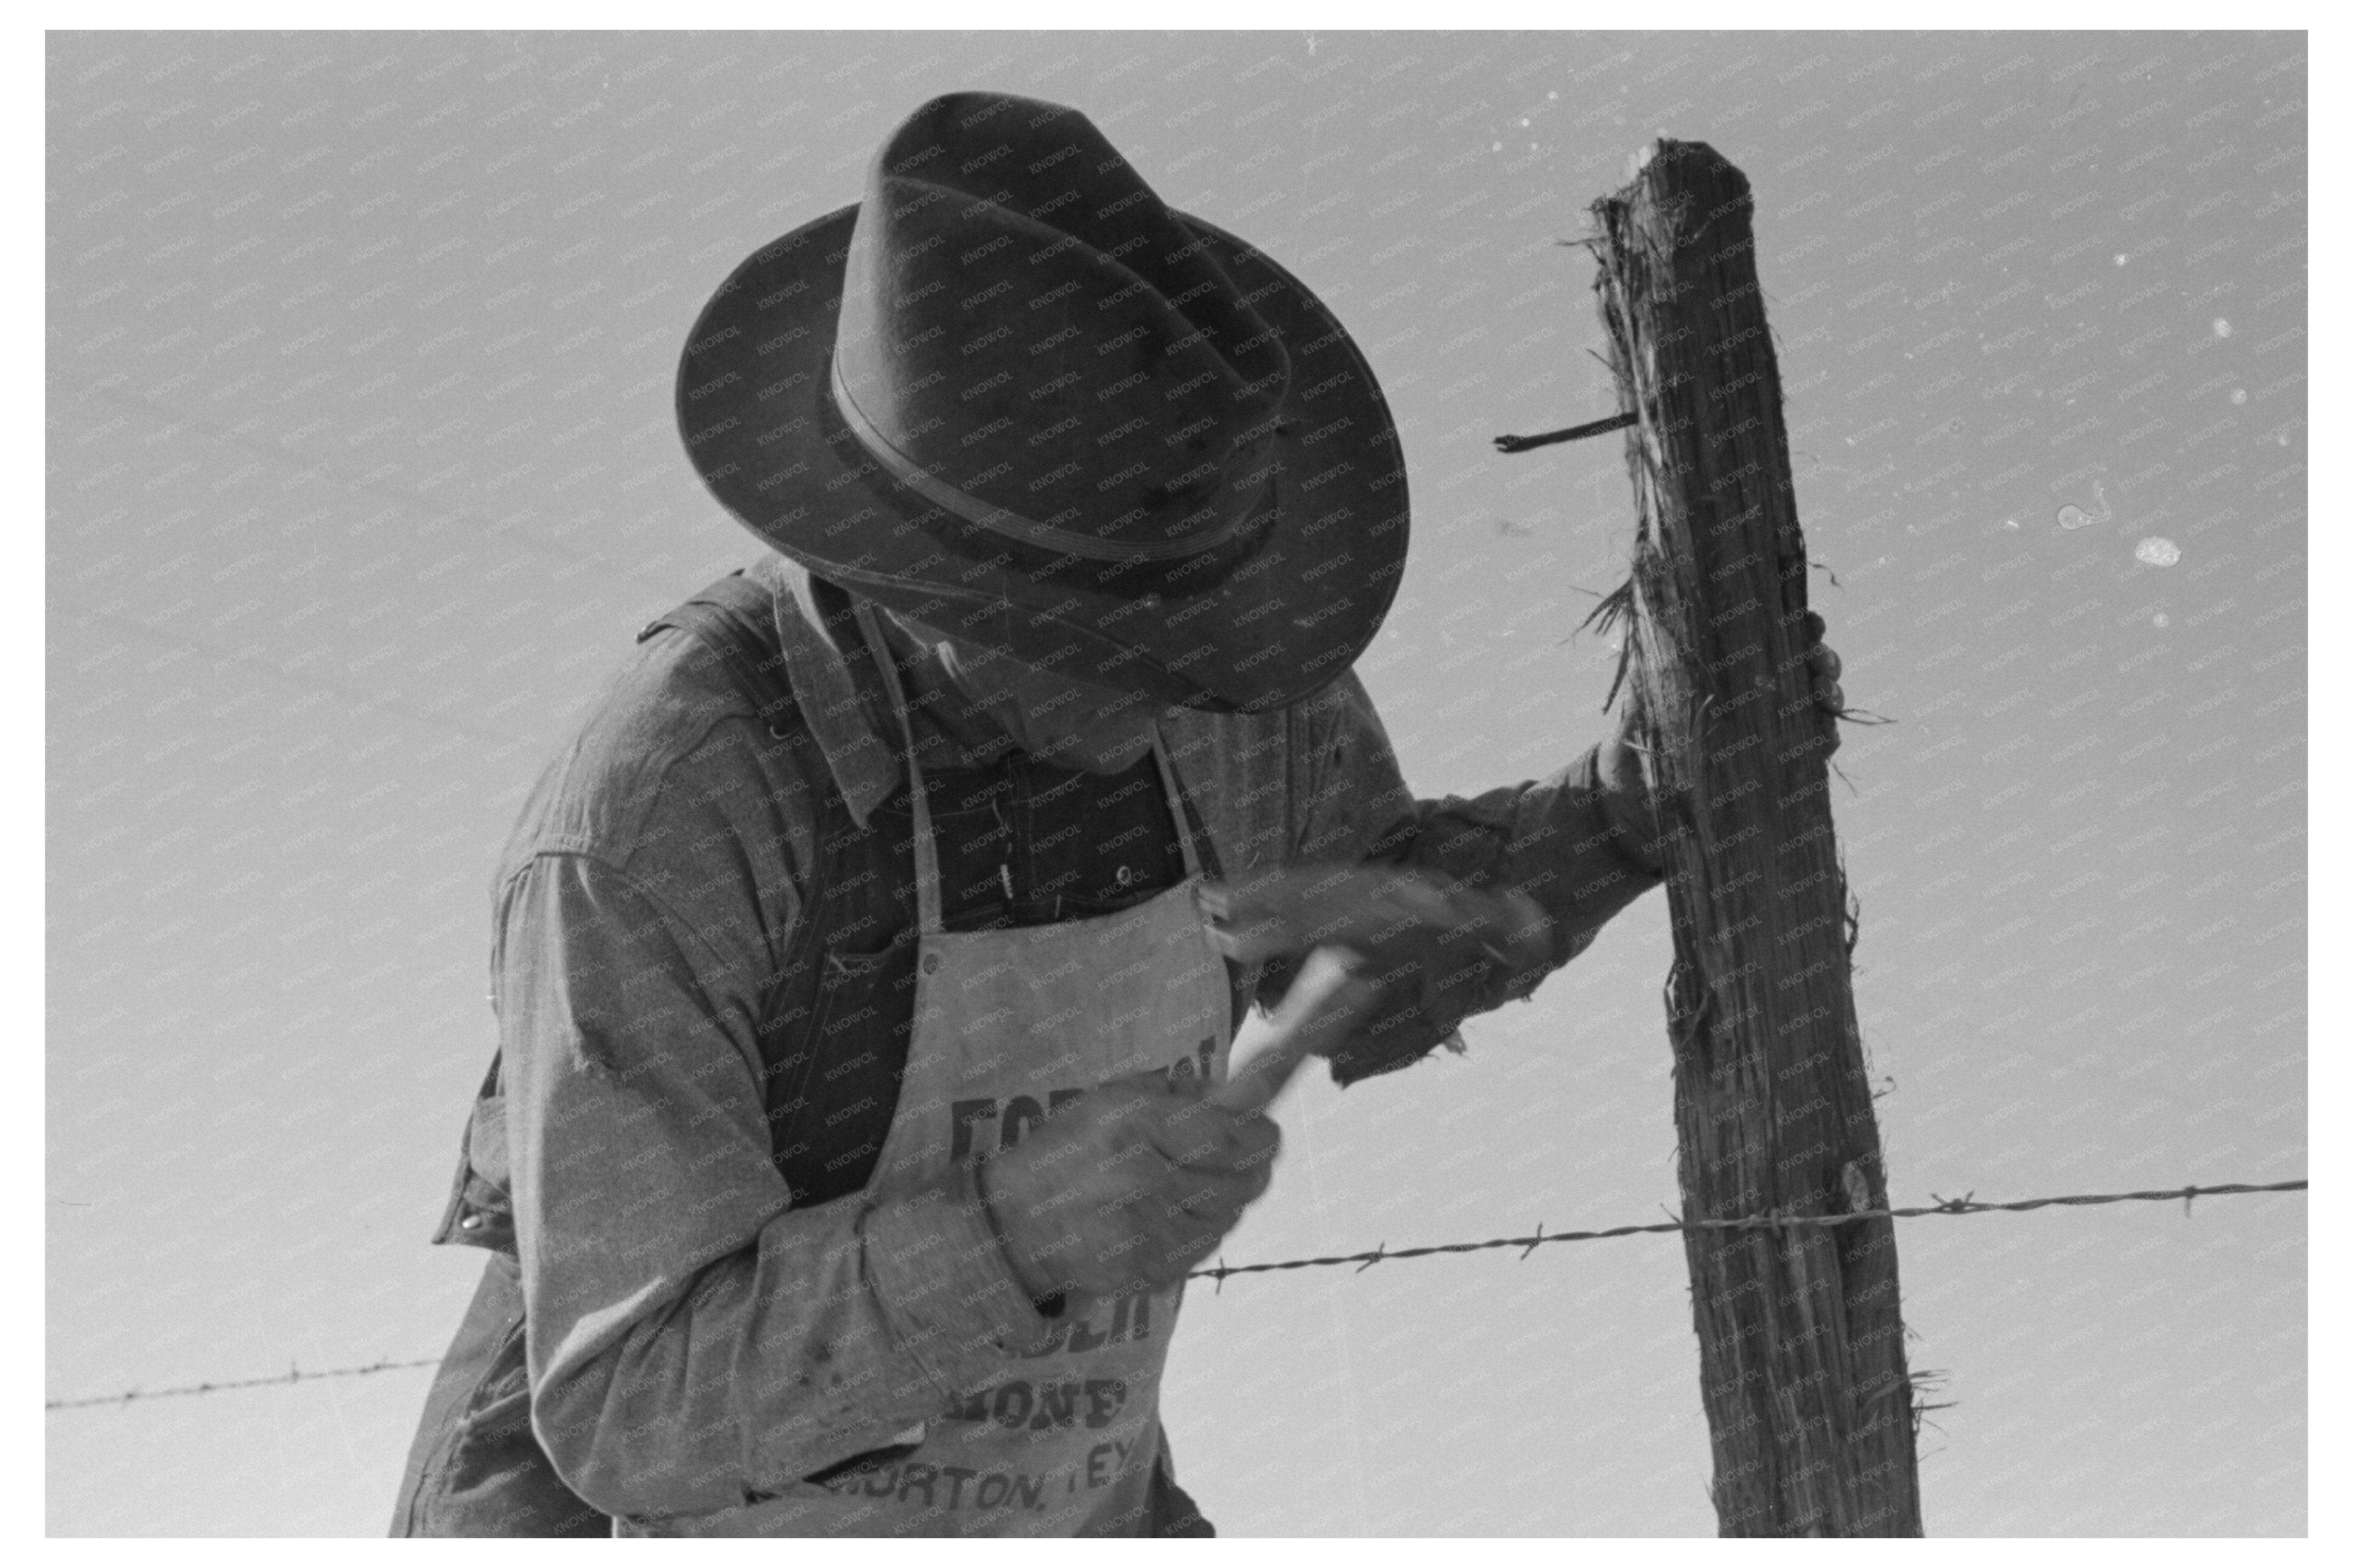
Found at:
[1012, 395]
[1034, 340]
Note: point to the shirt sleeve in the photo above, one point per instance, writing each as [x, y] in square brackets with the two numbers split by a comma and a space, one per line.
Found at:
[693, 1339]
[1547, 837]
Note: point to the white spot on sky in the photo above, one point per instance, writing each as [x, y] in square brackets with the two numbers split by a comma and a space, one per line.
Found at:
[1496, 148]
[1552, 95]
[2160, 619]
[2155, 551]
[1523, 122]
[2009, 522]
[2121, 259]
[2222, 328]
[2239, 395]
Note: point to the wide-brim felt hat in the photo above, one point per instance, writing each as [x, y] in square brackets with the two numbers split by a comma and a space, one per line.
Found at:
[1013, 397]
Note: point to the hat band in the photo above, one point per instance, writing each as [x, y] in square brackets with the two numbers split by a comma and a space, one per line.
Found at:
[995, 519]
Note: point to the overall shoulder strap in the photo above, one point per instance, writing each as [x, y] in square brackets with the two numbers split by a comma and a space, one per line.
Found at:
[821, 1152]
[734, 619]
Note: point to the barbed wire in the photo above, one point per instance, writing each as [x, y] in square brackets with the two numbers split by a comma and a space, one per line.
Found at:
[295, 1375]
[1964, 1204]
[1960, 1205]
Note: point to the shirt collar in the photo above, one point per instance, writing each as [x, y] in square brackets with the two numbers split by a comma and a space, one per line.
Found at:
[866, 769]
[843, 705]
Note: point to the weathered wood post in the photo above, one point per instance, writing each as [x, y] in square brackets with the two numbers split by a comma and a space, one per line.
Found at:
[1801, 1342]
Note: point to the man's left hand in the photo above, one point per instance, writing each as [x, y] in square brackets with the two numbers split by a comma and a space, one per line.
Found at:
[1822, 668]
[1625, 781]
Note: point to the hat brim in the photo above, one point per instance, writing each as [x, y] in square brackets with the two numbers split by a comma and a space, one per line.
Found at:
[758, 418]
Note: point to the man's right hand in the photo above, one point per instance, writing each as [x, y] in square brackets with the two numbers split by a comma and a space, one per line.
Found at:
[1130, 1185]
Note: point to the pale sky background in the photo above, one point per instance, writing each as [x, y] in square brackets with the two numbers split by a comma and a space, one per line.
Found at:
[361, 474]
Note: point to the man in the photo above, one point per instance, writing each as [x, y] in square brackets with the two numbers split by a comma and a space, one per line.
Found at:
[847, 1146]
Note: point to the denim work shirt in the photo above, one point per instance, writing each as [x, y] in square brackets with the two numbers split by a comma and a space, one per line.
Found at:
[695, 1340]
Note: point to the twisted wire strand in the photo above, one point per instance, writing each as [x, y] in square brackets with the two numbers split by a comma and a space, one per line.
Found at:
[294, 1375]
[1964, 1205]
[1960, 1205]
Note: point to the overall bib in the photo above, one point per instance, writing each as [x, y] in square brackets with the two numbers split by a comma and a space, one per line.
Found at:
[1008, 1025]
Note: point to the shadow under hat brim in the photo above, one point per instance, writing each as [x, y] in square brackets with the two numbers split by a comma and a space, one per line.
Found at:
[759, 417]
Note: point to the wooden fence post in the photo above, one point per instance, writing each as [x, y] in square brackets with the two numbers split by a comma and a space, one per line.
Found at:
[1802, 1372]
